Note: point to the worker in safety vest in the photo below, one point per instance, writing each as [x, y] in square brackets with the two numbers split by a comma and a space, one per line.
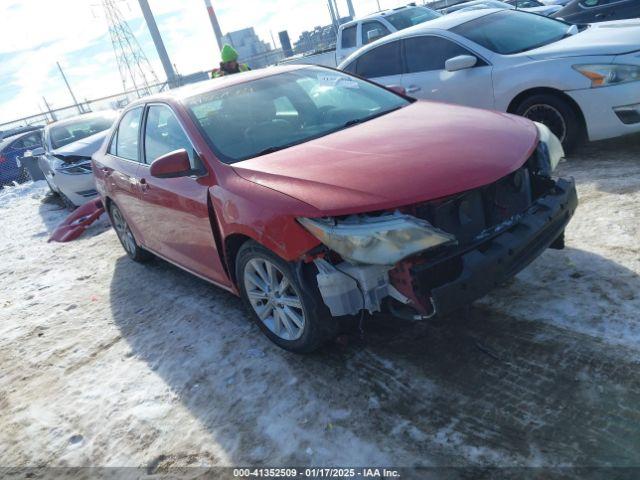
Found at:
[229, 64]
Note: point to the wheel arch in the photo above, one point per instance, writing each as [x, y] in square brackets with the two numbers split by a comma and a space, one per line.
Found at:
[232, 245]
[519, 98]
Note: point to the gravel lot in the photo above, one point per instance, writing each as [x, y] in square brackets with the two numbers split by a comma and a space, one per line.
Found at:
[106, 362]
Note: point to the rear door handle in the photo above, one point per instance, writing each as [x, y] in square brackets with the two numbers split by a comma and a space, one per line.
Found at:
[413, 89]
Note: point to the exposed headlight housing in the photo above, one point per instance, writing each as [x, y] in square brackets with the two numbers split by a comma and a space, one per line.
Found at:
[377, 240]
[75, 168]
[550, 150]
[609, 74]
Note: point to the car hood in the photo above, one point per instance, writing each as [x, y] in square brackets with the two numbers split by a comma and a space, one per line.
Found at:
[80, 148]
[605, 38]
[421, 152]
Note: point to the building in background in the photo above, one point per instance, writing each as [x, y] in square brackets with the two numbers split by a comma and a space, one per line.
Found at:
[318, 39]
[285, 43]
[251, 50]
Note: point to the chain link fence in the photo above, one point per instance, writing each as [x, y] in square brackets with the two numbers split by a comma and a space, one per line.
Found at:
[116, 102]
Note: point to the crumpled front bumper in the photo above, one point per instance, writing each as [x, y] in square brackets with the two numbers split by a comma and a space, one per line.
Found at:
[492, 262]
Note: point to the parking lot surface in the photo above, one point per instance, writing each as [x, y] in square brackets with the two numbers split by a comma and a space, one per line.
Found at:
[111, 363]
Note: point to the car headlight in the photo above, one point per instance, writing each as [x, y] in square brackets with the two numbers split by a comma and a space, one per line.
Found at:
[611, 74]
[378, 240]
[75, 168]
[550, 150]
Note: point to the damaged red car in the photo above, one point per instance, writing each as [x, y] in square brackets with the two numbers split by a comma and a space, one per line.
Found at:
[315, 195]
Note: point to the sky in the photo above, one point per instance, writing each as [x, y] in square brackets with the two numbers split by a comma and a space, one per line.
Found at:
[34, 34]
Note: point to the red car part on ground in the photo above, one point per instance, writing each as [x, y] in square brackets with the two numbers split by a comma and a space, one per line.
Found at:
[75, 224]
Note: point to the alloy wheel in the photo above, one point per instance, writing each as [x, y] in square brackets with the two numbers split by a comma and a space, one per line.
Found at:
[549, 116]
[123, 231]
[274, 299]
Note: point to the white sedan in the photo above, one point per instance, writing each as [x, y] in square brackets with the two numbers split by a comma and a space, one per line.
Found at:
[580, 82]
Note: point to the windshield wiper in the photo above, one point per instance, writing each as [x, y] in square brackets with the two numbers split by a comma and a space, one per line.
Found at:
[274, 149]
[356, 121]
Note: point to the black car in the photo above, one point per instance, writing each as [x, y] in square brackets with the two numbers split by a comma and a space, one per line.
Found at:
[591, 11]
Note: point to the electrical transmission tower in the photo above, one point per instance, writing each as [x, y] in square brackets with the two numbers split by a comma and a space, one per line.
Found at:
[136, 71]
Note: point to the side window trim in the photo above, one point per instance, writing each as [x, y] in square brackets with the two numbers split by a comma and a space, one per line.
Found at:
[114, 136]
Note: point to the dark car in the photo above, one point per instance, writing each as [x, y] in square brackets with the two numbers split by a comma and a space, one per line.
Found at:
[11, 148]
[591, 11]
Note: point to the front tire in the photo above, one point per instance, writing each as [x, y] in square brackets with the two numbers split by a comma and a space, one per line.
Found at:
[291, 314]
[557, 114]
[125, 235]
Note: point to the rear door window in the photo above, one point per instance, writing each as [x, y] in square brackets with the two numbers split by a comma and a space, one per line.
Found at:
[382, 61]
[349, 37]
[125, 143]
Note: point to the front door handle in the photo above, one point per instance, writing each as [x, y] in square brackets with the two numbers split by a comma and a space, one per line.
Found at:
[144, 186]
[413, 89]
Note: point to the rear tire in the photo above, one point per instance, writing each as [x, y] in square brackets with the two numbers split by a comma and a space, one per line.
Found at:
[287, 308]
[125, 235]
[557, 114]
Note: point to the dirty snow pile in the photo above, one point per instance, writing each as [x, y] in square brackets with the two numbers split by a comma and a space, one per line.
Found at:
[110, 363]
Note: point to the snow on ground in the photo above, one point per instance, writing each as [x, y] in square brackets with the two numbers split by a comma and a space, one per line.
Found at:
[107, 362]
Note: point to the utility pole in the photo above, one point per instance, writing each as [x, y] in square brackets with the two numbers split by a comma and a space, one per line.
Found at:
[53, 115]
[214, 23]
[334, 22]
[157, 40]
[335, 5]
[352, 12]
[133, 64]
[75, 102]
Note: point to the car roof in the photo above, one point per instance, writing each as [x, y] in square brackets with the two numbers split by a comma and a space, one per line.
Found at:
[446, 22]
[380, 13]
[182, 93]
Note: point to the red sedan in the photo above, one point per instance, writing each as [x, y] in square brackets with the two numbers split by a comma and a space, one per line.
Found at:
[315, 195]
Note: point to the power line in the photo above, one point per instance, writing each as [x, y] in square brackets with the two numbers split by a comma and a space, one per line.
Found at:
[135, 69]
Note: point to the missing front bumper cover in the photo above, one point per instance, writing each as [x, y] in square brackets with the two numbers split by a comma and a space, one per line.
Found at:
[465, 275]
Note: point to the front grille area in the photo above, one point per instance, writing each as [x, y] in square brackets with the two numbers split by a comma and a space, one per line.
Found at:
[480, 212]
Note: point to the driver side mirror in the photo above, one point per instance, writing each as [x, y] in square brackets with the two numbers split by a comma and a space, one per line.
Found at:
[373, 35]
[36, 152]
[461, 62]
[171, 165]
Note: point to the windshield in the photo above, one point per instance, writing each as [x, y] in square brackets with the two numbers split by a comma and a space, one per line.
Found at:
[261, 116]
[465, 7]
[501, 32]
[525, 3]
[411, 16]
[67, 133]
